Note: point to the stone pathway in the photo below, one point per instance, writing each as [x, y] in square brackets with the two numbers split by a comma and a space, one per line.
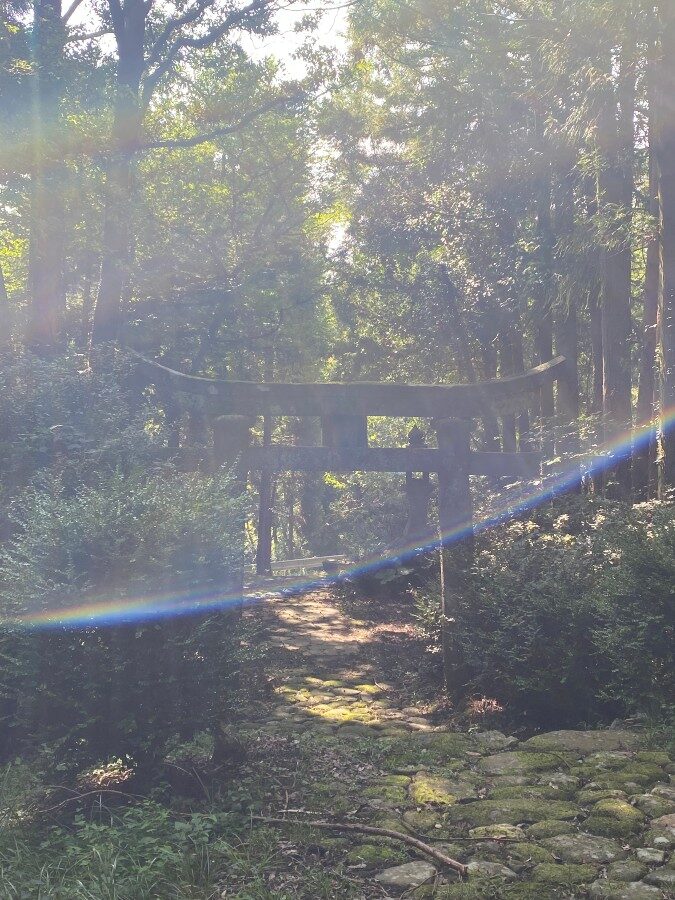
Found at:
[562, 814]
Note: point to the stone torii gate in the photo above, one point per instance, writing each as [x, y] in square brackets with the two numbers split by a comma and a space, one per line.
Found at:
[232, 407]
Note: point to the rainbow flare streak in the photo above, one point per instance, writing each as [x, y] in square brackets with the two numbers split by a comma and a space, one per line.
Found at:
[164, 605]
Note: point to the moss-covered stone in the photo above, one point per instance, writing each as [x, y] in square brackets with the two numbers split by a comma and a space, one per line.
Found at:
[563, 873]
[590, 796]
[609, 759]
[423, 749]
[520, 762]
[324, 682]
[501, 831]
[343, 713]
[382, 820]
[607, 827]
[616, 890]
[488, 868]
[530, 792]
[425, 821]
[663, 838]
[584, 742]
[550, 828]
[391, 788]
[511, 812]
[666, 791]
[663, 877]
[562, 780]
[427, 788]
[652, 805]
[475, 889]
[528, 890]
[374, 856]
[645, 774]
[657, 757]
[518, 780]
[586, 849]
[619, 810]
[446, 747]
[333, 796]
[626, 870]
[371, 689]
[523, 856]
[492, 741]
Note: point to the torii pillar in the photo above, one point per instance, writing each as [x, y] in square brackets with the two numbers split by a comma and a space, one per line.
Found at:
[455, 516]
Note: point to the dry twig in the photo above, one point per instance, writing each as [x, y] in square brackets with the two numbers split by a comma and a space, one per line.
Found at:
[380, 832]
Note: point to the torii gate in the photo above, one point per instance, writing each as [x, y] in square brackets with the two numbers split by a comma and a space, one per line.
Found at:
[343, 409]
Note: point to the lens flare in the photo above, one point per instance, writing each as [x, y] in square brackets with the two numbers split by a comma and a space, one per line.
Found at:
[134, 609]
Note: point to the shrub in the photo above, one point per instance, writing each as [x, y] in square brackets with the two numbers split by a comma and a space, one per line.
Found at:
[93, 422]
[571, 616]
[635, 597]
[109, 687]
[141, 852]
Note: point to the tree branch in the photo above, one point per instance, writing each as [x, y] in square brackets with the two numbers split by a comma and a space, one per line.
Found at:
[205, 137]
[435, 854]
[234, 19]
[71, 9]
[75, 38]
[188, 17]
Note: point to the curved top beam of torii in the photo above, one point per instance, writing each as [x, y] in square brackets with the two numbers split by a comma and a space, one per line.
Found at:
[362, 398]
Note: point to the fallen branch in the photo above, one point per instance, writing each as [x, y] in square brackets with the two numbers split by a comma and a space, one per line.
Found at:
[380, 832]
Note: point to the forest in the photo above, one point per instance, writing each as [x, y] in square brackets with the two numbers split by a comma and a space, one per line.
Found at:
[337, 449]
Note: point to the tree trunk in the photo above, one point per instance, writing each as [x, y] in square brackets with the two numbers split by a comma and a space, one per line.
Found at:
[616, 190]
[595, 314]
[646, 453]
[5, 314]
[87, 295]
[46, 249]
[594, 296]
[488, 353]
[263, 556]
[645, 400]
[506, 367]
[461, 339]
[515, 428]
[126, 133]
[523, 417]
[543, 323]
[665, 162]
[566, 328]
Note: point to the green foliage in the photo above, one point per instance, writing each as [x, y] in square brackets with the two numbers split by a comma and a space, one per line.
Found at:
[635, 596]
[136, 543]
[571, 617]
[100, 520]
[368, 513]
[56, 413]
[142, 852]
[148, 851]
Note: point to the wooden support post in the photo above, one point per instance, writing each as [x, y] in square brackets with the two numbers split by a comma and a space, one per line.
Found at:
[455, 514]
[263, 553]
[231, 439]
[266, 492]
[418, 493]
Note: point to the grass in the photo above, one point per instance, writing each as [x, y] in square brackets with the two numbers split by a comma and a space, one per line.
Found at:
[159, 849]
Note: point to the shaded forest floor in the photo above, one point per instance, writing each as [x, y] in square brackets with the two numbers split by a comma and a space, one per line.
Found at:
[333, 721]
